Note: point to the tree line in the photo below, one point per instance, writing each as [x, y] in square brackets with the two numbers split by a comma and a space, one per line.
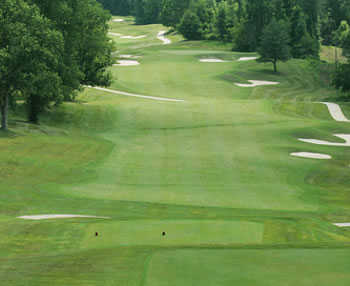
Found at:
[250, 24]
[48, 50]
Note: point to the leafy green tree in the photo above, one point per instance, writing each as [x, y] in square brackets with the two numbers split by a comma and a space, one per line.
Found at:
[303, 45]
[87, 47]
[30, 52]
[190, 26]
[274, 44]
[172, 11]
[221, 21]
[342, 77]
[147, 11]
[118, 7]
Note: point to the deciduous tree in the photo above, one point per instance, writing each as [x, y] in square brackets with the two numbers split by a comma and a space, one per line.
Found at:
[274, 44]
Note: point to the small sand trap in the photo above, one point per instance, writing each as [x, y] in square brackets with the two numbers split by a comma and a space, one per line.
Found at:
[346, 137]
[311, 155]
[161, 37]
[114, 34]
[59, 216]
[212, 61]
[346, 224]
[118, 20]
[129, 57]
[254, 83]
[135, 95]
[336, 112]
[126, 63]
[133, 37]
[244, 59]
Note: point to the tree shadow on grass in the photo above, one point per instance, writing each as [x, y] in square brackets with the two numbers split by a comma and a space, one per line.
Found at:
[7, 134]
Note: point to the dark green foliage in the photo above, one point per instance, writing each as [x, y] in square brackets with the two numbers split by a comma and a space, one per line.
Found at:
[87, 50]
[342, 78]
[225, 20]
[190, 26]
[303, 45]
[147, 11]
[118, 7]
[172, 11]
[275, 41]
[30, 55]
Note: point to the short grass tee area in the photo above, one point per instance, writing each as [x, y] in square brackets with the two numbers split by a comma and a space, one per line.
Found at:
[190, 171]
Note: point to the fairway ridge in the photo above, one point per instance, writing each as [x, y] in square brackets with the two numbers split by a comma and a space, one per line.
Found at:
[336, 112]
[136, 95]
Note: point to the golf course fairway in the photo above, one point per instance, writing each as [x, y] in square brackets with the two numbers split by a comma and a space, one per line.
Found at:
[197, 189]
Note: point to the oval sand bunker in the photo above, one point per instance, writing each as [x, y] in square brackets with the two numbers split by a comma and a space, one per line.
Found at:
[345, 137]
[311, 155]
[244, 59]
[127, 63]
[129, 57]
[254, 83]
[133, 37]
[161, 37]
[59, 216]
[336, 112]
[212, 61]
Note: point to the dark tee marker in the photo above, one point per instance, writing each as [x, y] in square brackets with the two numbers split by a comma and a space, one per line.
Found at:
[163, 233]
[96, 233]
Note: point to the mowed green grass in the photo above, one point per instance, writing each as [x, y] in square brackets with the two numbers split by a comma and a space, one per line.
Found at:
[249, 267]
[213, 172]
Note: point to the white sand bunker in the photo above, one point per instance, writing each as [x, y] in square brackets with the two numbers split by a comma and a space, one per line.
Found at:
[114, 34]
[129, 57]
[125, 63]
[346, 224]
[161, 37]
[311, 155]
[133, 37]
[346, 137]
[243, 59]
[135, 95]
[118, 20]
[254, 83]
[59, 216]
[336, 112]
[212, 61]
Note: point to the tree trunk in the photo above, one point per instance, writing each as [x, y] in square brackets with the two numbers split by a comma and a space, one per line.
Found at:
[275, 66]
[4, 112]
[33, 109]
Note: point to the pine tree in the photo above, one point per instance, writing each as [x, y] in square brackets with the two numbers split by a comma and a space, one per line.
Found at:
[274, 44]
